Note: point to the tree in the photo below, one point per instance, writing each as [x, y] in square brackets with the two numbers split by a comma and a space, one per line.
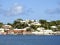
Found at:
[42, 21]
[34, 27]
[58, 22]
[28, 29]
[19, 25]
[30, 22]
[1, 25]
[58, 28]
[19, 20]
[44, 24]
[53, 23]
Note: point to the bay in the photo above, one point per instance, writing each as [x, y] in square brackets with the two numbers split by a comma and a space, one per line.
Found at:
[29, 40]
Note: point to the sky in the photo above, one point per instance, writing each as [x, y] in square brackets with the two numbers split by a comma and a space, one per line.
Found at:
[11, 10]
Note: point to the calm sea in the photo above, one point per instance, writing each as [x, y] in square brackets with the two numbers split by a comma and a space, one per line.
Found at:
[29, 40]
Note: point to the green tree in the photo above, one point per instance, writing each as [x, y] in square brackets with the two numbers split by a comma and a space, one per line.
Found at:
[58, 22]
[29, 29]
[1, 25]
[44, 24]
[42, 21]
[19, 25]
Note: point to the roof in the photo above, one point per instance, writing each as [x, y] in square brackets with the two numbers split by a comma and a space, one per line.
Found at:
[1, 29]
[53, 27]
[18, 29]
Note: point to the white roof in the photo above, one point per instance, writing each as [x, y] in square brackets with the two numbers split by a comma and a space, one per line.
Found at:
[7, 25]
[18, 29]
[53, 27]
[36, 23]
[47, 30]
[22, 21]
[41, 28]
[1, 29]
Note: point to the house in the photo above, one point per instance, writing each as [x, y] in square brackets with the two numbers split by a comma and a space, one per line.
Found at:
[15, 31]
[22, 21]
[40, 29]
[53, 26]
[6, 26]
[43, 32]
[29, 21]
[36, 23]
[1, 30]
[56, 33]
[37, 33]
[10, 32]
[19, 31]
[48, 32]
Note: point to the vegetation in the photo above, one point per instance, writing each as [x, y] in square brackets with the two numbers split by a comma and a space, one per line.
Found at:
[47, 25]
[1, 25]
[19, 25]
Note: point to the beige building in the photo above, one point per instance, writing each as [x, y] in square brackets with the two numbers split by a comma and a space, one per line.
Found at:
[19, 31]
[1, 30]
[6, 26]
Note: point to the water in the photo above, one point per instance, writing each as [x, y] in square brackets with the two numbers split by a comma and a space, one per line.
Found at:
[29, 40]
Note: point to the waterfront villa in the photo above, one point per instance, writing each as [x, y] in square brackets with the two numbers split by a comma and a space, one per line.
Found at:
[35, 23]
[42, 31]
[19, 31]
[1, 31]
[6, 26]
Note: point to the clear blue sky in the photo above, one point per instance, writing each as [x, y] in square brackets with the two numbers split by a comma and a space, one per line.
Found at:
[11, 10]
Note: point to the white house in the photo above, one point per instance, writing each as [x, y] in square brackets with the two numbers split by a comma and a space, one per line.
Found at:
[43, 32]
[6, 26]
[19, 29]
[53, 27]
[22, 21]
[40, 29]
[48, 32]
[37, 33]
[1, 30]
[36, 23]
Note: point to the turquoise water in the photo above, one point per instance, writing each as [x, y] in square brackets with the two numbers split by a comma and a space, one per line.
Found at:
[29, 40]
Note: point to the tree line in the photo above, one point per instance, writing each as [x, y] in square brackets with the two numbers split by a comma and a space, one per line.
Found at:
[44, 23]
